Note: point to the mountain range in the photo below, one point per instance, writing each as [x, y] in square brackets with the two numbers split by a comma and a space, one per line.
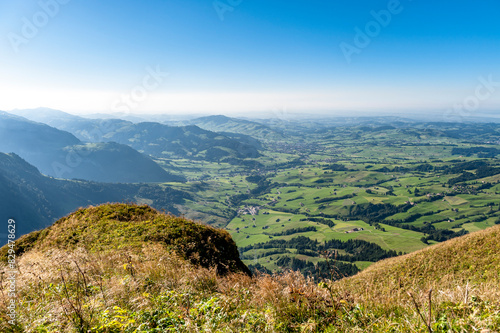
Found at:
[60, 154]
[157, 139]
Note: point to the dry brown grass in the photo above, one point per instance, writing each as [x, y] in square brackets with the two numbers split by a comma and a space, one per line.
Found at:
[64, 290]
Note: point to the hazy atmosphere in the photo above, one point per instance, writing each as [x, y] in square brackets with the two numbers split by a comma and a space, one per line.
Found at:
[238, 56]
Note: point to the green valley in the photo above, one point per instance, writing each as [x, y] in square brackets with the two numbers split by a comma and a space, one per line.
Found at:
[401, 186]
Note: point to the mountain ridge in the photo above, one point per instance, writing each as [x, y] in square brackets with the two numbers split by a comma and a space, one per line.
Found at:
[185, 140]
[60, 154]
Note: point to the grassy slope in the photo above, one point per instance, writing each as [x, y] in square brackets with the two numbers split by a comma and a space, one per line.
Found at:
[464, 274]
[145, 287]
[473, 258]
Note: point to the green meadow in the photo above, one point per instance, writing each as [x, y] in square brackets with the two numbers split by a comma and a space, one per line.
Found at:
[394, 188]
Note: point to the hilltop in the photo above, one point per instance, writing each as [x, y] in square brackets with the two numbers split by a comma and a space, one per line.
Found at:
[110, 227]
[128, 268]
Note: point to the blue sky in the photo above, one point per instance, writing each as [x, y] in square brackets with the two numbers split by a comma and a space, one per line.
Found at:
[233, 56]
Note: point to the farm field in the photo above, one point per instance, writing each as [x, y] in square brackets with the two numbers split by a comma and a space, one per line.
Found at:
[395, 191]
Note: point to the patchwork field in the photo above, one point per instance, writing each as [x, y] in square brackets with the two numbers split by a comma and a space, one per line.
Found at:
[398, 189]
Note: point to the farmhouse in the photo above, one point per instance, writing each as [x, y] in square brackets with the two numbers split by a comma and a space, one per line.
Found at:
[354, 230]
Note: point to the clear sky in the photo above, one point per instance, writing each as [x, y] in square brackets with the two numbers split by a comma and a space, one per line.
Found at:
[226, 56]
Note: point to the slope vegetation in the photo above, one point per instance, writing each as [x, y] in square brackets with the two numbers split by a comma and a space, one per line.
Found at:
[115, 226]
[123, 268]
[471, 259]
[111, 163]
[452, 286]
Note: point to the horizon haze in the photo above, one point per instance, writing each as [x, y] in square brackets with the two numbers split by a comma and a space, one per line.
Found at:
[243, 57]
